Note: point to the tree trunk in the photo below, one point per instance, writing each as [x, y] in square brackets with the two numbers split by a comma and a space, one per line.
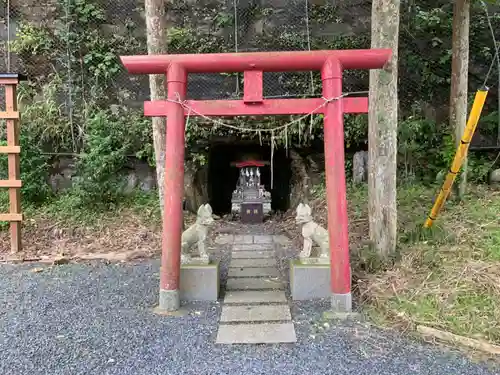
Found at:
[300, 181]
[195, 185]
[157, 44]
[382, 130]
[359, 167]
[459, 75]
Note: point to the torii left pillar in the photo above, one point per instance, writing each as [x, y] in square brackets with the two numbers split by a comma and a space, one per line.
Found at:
[174, 189]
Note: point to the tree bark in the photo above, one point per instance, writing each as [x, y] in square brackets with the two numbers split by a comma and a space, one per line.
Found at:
[195, 186]
[359, 167]
[459, 81]
[382, 130]
[157, 44]
[300, 180]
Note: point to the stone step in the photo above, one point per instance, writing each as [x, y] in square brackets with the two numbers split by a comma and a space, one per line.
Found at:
[255, 313]
[263, 238]
[243, 239]
[252, 247]
[252, 283]
[253, 272]
[267, 333]
[257, 262]
[254, 296]
[281, 239]
[224, 239]
[252, 254]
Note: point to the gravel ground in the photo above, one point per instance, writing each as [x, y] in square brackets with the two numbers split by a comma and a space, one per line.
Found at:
[98, 319]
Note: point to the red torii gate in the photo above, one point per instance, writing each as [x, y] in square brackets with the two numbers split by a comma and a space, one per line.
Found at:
[332, 105]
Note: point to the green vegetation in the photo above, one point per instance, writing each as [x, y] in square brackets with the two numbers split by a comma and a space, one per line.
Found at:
[77, 101]
[67, 209]
[74, 108]
[446, 277]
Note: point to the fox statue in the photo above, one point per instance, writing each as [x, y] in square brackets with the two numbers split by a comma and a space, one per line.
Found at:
[313, 233]
[196, 234]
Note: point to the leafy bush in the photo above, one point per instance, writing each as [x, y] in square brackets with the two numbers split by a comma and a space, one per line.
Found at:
[109, 141]
[34, 167]
[106, 140]
[75, 104]
[422, 150]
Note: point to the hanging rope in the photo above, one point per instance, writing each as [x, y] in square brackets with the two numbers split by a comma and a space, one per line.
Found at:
[69, 81]
[187, 118]
[235, 6]
[495, 57]
[286, 140]
[256, 130]
[8, 36]
[308, 33]
[300, 133]
[272, 159]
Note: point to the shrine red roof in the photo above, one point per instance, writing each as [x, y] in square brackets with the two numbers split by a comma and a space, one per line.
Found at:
[249, 163]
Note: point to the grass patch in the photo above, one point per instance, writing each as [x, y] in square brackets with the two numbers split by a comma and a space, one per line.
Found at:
[128, 229]
[447, 277]
[66, 208]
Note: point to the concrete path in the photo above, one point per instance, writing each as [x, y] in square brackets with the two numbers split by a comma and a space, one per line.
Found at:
[255, 309]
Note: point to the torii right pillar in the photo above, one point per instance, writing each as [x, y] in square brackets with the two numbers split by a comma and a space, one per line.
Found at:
[340, 270]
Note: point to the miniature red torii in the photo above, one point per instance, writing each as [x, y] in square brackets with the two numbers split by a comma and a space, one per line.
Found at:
[333, 105]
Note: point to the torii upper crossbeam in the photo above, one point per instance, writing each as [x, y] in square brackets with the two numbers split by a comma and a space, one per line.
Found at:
[332, 105]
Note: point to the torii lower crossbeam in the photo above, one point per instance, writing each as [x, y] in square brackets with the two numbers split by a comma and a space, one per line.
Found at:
[332, 105]
[269, 107]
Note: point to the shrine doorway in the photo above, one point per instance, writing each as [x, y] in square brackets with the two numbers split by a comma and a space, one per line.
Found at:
[222, 176]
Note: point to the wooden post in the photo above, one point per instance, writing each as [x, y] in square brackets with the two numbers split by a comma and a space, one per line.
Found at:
[13, 150]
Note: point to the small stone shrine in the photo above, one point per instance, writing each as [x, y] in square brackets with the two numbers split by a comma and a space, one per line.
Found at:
[250, 200]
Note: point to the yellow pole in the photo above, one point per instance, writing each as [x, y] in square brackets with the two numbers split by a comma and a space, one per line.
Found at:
[460, 155]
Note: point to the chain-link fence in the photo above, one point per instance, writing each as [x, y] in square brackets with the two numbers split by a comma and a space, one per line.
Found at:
[219, 26]
[76, 44]
[194, 27]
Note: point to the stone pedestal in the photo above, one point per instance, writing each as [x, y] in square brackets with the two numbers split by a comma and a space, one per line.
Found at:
[200, 282]
[309, 280]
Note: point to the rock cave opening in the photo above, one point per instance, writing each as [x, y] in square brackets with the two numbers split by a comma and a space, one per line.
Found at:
[222, 176]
